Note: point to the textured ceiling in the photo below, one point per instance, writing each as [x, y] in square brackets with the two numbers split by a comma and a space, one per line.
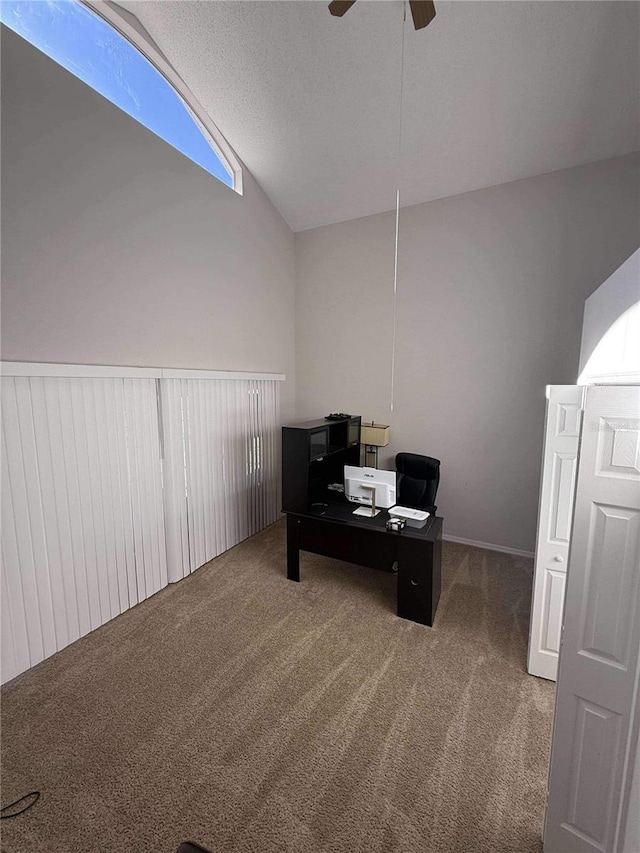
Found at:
[493, 92]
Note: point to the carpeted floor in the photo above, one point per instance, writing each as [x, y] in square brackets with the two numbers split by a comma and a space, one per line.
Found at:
[251, 713]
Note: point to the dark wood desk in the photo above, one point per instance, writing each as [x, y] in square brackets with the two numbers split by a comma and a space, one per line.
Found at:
[333, 531]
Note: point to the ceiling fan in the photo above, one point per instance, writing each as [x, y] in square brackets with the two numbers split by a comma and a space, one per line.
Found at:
[422, 11]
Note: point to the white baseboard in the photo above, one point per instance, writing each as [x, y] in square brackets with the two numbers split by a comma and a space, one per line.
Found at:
[503, 549]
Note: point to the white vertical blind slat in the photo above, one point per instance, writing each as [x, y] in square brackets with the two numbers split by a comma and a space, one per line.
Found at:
[207, 453]
[191, 473]
[181, 435]
[242, 480]
[10, 557]
[175, 484]
[74, 501]
[35, 529]
[231, 516]
[260, 435]
[81, 452]
[252, 435]
[154, 459]
[268, 456]
[270, 494]
[59, 497]
[54, 534]
[195, 491]
[217, 444]
[98, 520]
[252, 441]
[195, 504]
[124, 469]
[200, 424]
[136, 474]
[143, 449]
[237, 438]
[113, 413]
[227, 511]
[157, 569]
[108, 485]
[267, 487]
[16, 476]
[218, 501]
[169, 472]
[9, 663]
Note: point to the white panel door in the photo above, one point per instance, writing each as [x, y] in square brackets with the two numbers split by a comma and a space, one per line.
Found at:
[594, 733]
[557, 488]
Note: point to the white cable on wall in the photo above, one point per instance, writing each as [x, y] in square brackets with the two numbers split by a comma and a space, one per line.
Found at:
[397, 225]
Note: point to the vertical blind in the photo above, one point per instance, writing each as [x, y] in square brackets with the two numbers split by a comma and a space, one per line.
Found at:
[220, 465]
[112, 487]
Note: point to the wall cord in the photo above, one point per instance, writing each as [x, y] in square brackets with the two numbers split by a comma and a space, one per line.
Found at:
[398, 179]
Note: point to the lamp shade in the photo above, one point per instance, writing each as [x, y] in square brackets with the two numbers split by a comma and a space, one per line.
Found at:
[375, 435]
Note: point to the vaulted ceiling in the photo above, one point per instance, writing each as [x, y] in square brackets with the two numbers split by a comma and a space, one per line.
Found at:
[493, 92]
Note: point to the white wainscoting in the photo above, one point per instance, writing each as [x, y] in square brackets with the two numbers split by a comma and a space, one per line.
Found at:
[94, 519]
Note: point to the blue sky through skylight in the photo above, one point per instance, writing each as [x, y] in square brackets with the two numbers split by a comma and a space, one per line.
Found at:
[88, 47]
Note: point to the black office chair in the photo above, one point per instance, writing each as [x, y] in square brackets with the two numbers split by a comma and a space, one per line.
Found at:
[418, 478]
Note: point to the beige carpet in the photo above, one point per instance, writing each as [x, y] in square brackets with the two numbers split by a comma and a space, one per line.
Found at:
[251, 713]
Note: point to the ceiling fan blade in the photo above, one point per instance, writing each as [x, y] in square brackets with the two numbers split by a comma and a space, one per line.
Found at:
[423, 12]
[339, 7]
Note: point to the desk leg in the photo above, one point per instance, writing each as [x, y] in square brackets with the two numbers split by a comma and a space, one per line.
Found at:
[293, 548]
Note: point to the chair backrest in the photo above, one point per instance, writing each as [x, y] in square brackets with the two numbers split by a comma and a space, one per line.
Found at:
[418, 478]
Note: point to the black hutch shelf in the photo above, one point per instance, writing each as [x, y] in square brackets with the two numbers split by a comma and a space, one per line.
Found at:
[314, 454]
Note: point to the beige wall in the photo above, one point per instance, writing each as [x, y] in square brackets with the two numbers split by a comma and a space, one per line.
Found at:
[491, 290]
[119, 250]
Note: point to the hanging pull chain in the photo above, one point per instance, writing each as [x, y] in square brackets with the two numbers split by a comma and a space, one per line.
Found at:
[395, 254]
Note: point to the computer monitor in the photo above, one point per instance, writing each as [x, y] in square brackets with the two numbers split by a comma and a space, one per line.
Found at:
[358, 483]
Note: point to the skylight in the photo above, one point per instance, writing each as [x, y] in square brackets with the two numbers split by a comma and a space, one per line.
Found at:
[84, 44]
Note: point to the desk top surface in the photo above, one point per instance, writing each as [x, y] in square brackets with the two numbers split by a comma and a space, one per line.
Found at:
[342, 513]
